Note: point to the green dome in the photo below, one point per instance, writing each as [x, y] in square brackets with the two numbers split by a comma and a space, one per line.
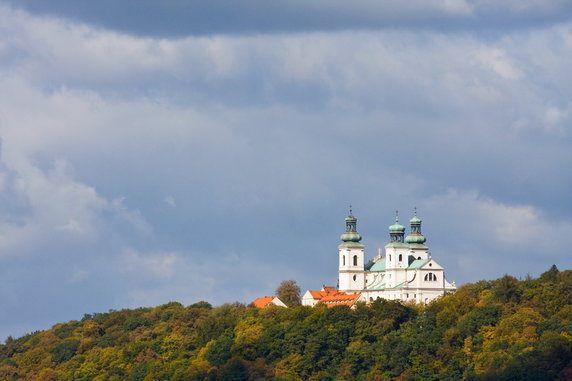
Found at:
[415, 238]
[397, 227]
[415, 220]
[350, 237]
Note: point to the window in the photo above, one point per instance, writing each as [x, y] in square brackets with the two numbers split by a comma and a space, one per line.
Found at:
[370, 299]
[355, 277]
[355, 260]
[389, 257]
[430, 277]
[344, 260]
[400, 257]
[418, 257]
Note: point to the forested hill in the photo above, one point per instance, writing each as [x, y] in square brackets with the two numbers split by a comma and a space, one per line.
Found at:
[504, 329]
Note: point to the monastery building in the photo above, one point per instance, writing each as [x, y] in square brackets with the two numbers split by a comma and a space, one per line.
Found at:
[407, 272]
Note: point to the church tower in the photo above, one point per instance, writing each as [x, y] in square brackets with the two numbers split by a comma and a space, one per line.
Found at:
[351, 258]
[416, 240]
[397, 254]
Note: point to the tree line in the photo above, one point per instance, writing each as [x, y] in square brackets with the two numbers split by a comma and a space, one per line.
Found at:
[505, 329]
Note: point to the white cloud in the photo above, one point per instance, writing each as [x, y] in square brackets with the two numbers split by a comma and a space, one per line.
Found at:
[158, 265]
[249, 135]
[170, 200]
[152, 278]
[484, 238]
[497, 61]
[506, 225]
[57, 209]
[132, 216]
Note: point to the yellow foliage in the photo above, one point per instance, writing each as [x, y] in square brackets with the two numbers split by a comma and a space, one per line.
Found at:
[247, 333]
[48, 338]
[92, 329]
[288, 367]
[200, 363]
[172, 345]
[34, 359]
[520, 326]
[467, 345]
[485, 297]
[46, 374]
[87, 370]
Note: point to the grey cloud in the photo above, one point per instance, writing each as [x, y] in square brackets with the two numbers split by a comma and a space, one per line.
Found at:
[180, 18]
[263, 141]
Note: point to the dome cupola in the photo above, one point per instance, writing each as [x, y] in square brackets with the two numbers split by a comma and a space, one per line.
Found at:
[415, 238]
[396, 231]
[351, 234]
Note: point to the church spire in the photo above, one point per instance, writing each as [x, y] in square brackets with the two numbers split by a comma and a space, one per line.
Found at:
[351, 234]
[415, 238]
[396, 231]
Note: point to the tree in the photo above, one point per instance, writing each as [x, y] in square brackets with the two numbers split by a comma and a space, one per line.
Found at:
[507, 289]
[289, 293]
[551, 275]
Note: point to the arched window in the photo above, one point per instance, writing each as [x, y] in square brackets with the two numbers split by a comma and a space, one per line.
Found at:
[343, 260]
[355, 260]
[418, 257]
[400, 257]
[430, 277]
[355, 277]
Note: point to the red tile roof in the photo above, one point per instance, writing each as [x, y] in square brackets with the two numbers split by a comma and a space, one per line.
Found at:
[341, 298]
[330, 296]
[262, 302]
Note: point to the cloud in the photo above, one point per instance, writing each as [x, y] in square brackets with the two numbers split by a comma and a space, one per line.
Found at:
[261, 141]
[151, 278]
[181, 18]
[170, 200]
[476, 231]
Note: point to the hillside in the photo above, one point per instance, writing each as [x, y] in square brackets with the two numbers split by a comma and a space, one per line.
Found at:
[504, 329]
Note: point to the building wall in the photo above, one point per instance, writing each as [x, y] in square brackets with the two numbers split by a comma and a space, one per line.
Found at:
[351, 274]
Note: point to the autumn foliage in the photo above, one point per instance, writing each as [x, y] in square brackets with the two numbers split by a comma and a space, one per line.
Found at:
[506, 329]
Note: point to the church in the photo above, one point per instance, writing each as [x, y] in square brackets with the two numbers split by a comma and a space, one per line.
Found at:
[407, 272]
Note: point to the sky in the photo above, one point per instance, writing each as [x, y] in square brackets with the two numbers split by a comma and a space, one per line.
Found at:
[156, 151]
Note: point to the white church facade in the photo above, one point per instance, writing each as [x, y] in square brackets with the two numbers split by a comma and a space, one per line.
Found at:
[406, 272]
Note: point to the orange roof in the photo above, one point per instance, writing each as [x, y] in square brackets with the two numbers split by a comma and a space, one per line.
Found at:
[340, 299]
[317, 294]
[325, 291]
[330, 296]
[262, 302]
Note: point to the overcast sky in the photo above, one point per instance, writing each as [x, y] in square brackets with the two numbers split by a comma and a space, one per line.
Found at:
[158, 150]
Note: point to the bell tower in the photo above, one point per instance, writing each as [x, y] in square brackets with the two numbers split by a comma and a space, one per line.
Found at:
[416, 240]
[351, 258]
